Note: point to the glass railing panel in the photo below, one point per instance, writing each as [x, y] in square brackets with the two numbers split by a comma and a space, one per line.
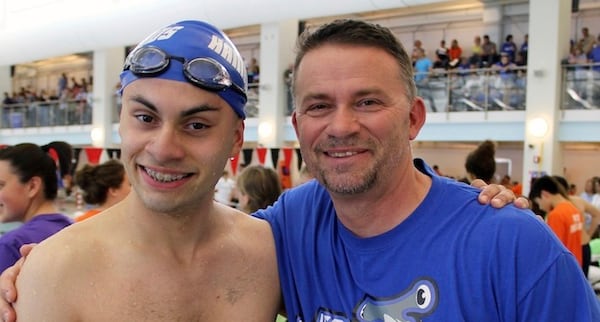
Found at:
[581, 86]
[251, 107]
[484, 89]
[50, 113]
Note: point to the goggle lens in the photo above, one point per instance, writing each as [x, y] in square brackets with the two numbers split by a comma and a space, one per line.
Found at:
[148, 60]
[208, 72]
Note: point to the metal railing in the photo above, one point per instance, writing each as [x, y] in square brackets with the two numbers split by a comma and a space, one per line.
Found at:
[48, 113]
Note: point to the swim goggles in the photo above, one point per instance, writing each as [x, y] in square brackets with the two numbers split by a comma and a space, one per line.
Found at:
[204, 72]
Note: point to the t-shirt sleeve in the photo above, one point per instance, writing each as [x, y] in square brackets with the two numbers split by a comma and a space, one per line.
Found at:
[561, 294]
[8, 256]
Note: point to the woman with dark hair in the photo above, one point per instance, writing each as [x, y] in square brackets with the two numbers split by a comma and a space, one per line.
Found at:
[62, 153]
[103, 185]
[28, 192]
[481, 163]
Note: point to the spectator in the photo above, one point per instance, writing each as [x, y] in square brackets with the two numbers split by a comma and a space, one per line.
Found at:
[591, 216]
[509, 47]
[480, 163]
[454, 53]
[524, 49]
[441, 55]
[477, 52]
[258, 187]
[417, 47]
[224, 189]
[423, 66]
[6, 109]
[103, 186]
[595, 58]
[287, 79]
[586, 43]
[62, 83]
[588, 190]
[561, 215]
[253, 71]
[489, 52]
[28, 194]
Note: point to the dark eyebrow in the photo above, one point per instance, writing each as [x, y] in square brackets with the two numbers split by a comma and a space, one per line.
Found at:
[191, 111]
[199, 109]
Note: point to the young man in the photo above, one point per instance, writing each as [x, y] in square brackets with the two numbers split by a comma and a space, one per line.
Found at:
[563, 217]
[172, 254]
[383, 238]
[168, 252]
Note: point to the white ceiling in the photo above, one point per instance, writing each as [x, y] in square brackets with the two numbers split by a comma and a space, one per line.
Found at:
[38, 29]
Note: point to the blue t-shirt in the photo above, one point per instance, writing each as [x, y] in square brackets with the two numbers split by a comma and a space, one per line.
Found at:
[452, 259]
[422, 68]
[34, 231]
[510, 49]
[595, 57]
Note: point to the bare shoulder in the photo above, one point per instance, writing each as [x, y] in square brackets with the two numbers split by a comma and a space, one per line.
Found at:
[46, 282]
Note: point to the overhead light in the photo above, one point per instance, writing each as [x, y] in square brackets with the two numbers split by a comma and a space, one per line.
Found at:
[538, 127]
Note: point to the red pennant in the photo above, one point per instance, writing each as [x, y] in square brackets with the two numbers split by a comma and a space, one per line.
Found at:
[262, 154]
[93, 155]
[234, 164]
[287, 153]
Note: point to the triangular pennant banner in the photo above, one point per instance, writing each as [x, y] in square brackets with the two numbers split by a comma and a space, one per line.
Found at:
[114, 153]
[275, 157]
[247, 157]
[93, 155]
[287, 154]
[262, 154]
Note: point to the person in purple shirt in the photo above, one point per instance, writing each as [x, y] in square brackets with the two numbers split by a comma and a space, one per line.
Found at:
[28, 191]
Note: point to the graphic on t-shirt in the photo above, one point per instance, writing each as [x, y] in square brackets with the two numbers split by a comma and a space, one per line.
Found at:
[411, 305]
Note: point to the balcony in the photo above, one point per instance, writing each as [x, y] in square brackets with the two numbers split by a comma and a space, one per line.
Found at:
[472, 100]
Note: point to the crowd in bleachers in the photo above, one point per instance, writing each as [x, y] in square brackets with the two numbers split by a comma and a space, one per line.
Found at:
[69, 103]
[583, 72]
[485, 78]
[491, 77]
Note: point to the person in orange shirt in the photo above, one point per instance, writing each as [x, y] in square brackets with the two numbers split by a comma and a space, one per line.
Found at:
[455, 53]
[517, 188]
[561, 215]
[103, 185]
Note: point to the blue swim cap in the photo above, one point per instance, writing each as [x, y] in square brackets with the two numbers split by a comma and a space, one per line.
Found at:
[196, 39]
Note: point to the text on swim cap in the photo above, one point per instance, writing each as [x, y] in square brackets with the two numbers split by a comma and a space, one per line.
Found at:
[228, 53]
[162, 34]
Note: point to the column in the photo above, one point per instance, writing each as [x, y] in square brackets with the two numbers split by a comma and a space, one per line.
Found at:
[492, 21]
[5, 80]
[277, 42]
[108, 63]
[549, 27]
